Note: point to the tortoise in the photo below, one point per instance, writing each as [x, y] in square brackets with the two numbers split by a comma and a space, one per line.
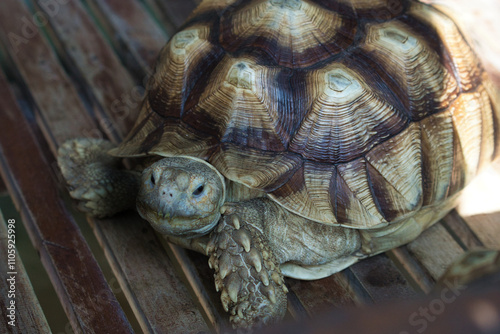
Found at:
[296, 137]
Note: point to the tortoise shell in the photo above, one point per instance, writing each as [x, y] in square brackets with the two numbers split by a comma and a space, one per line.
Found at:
[351, 112]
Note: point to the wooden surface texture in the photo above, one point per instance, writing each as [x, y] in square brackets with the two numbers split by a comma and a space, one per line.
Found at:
[18, 299]
[77, 68]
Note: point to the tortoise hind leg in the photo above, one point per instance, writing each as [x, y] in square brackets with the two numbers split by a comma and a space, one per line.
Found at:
[472, 266]
[95, 179]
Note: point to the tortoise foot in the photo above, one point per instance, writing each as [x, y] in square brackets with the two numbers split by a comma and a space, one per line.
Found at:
[246, 273]
[94, 178]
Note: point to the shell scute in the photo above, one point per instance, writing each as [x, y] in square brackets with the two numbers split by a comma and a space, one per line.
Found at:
[294, 33]
[238, 90]
[308, 191]
[176, 76]
[347, 117]
[465, 63]
[437, 156]
[354, 201]
[269, 171]
[395, 168]
[423, 83]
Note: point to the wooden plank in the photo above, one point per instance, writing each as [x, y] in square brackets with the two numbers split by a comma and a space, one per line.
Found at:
[47, 82]
[318, 296]
[106, 80]
[435, 249]
[382, 280]
[454, 310]
[201, 280]
[158, 296]
[487, 228]
[375, 279]
[154, 9]
[69, 262]
[23, 313]
[140, 293]
[176, 11]
[480, 206]
[133, 33]
[461, 231]
[413, 270]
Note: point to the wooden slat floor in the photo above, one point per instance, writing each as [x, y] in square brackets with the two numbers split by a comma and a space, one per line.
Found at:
[77, 68]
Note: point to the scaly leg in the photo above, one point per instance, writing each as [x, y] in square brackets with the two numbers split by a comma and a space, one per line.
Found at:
[95, 178]
[255, 240]
[246, 271]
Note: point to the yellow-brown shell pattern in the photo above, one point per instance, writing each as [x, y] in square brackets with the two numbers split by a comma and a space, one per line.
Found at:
[349, 112]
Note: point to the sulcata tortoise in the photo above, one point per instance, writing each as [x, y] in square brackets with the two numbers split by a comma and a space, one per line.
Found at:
[296, 137]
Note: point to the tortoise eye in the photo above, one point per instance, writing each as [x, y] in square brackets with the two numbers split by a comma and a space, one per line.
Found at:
[152, 179]
[198, 191]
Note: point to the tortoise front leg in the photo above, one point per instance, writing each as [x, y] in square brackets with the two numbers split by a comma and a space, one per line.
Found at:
[246, 271]
[95, 178]
[257, 241]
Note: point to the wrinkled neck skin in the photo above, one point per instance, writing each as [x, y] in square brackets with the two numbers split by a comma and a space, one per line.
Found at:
[181, 196]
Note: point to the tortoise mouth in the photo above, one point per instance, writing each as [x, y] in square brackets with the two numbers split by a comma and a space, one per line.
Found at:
[167, 224]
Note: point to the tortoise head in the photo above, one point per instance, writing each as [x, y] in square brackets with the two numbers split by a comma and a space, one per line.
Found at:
[181, 196]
